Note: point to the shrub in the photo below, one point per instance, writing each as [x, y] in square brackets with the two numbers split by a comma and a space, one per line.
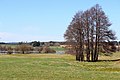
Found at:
[24, 48]
[47, 50]
[9, 50]
[39, 49]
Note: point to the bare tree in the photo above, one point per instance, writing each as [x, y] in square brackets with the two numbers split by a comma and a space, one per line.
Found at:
[90, 29]
[24, 48]
[75, 35]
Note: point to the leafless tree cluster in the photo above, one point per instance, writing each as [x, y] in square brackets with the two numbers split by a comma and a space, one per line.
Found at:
[87, 32]
[17, 49]
[25, 49]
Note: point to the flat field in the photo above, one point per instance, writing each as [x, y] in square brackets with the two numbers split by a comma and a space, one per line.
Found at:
[57, 48]
[58, 67]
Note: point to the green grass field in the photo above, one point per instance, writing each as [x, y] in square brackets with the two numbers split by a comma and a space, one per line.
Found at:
[57, 48]
[57, 67]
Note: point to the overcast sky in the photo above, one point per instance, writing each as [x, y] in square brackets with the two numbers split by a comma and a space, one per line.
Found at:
[47, 20]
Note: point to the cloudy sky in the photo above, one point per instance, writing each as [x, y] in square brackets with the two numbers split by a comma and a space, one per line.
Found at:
[46, 20]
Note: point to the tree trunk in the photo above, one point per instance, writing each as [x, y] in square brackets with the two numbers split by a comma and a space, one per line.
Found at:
[77, 55]
[23, 52]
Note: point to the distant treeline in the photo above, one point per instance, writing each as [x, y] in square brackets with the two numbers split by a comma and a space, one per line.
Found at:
[50, 43]
[36, 43]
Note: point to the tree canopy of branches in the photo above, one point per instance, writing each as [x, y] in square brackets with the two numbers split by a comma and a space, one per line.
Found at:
[87, 32]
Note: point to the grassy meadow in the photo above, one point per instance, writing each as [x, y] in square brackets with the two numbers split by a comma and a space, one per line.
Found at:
[57, 48]
[58, 67]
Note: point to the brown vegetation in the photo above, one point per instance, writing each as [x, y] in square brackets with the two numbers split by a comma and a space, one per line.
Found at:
[25, 49]
[47, 50]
